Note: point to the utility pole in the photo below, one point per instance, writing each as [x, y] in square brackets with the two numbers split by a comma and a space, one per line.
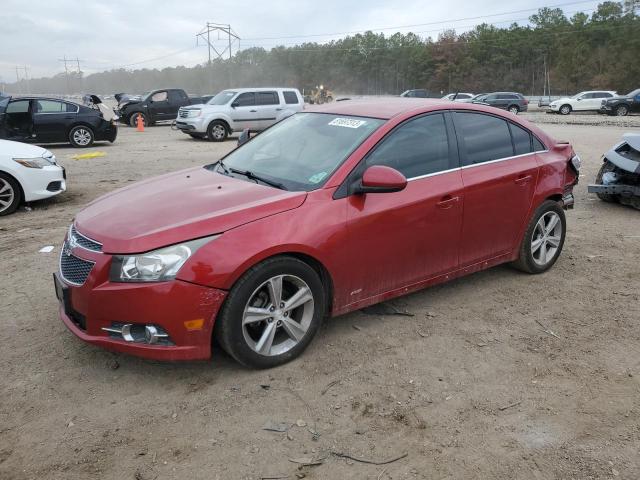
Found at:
[224, 29]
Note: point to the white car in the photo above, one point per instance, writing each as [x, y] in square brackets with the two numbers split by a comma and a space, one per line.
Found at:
[27, 173]
[460, 97]
[580, 102]
[237, 109]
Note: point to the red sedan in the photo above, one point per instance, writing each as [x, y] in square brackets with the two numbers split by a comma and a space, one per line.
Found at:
[326, 212]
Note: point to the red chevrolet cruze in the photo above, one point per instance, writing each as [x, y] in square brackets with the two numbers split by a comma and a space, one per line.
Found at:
[326, 212]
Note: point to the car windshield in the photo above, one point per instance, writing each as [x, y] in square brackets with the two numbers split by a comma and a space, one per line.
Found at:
[222, 98]
[480, 97]
[634, 93]
[302, 151]
[143, 96]
[577, 95]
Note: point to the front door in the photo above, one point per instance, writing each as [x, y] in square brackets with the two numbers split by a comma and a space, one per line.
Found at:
[244, 112]
[399, 239]
[18, 121]
[159, 106]
[499, 176]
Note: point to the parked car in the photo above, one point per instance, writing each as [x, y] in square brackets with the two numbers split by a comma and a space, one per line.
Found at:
[27, 173]
[458, 97]
[622, 105]
[154, 106]
[415, 93]
[511, 101]
[580, 102]
[330, 210]
[51, 120]
[238, 109]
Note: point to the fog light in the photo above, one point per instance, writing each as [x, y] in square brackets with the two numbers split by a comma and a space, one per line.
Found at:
[152, 334]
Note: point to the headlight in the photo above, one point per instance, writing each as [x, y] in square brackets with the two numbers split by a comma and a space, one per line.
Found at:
[194, 113]
[37, 162]
[156, 266]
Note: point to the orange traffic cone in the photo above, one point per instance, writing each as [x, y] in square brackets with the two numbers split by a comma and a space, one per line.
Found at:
[139, 123]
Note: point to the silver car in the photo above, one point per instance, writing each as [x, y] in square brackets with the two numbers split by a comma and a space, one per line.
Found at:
[238, 109]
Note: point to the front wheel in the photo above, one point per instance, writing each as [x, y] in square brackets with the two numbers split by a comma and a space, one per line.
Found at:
[514, 109]
[133, 120]
[543, 240]
[272, 313]
[565, 110]
[606, 167]
[81, 137]
[10, 194]
[217, 131]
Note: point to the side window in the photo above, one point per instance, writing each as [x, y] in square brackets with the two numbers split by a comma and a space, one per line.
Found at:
[537, 145]
[159, 97]
[606, 95]
[246, 99]
[50, 106]
[267, 98]
[21, 106]
[485, 137]
[418, 147]
[290, 97]
[71, 108]
[521, 139]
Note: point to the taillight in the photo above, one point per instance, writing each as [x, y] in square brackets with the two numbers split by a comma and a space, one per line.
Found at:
[576, 163]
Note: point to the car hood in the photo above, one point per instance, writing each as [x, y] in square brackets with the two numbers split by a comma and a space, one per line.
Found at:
[178, 207]
[22, 150]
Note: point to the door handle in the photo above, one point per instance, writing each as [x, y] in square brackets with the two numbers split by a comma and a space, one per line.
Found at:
[523, 180]
[253, 111]
[447, 201]
[278, 109]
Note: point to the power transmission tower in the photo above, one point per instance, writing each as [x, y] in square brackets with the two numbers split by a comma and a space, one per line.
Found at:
[25, 77]
[67, 69]
[222, 29]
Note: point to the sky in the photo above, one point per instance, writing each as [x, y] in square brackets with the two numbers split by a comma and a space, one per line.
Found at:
[132, 34]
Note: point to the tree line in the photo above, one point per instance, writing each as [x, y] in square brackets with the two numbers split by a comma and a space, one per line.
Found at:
[597, 51]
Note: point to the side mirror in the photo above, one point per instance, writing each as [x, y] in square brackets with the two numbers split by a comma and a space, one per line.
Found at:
[244, 137]
[235, 104]
[381, 179]
[579, 99]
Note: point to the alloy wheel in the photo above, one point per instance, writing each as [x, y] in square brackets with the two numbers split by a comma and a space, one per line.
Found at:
[546, 238]
[7, 195]
[514, 110]
[82, 136]
[278, 315]
[218, 132]
[622, 111]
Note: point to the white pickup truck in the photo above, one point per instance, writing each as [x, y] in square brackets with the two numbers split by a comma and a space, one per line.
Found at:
[237, 109]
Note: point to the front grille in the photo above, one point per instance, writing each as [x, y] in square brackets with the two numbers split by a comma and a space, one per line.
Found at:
[183, 113]
[74, 270]
[84, 242]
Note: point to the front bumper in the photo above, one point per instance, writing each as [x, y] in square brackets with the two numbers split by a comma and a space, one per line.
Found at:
[615, 189]
[606, 109]
[41, 183]
[174, 306]
[191, 125]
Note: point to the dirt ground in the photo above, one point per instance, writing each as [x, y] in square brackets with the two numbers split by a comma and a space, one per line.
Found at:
[470, 386]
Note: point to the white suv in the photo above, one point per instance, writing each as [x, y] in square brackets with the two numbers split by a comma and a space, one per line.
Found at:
[237, 109]
[582, 101]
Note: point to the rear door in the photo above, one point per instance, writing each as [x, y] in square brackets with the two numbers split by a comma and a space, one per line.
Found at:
[52, 120]
[398, 239]
[499, 176]
[268, 106]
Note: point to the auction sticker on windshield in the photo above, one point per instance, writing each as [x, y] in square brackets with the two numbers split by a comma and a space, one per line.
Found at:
[347, 122]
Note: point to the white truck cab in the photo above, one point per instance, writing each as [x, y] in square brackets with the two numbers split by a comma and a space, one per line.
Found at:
[237, 109]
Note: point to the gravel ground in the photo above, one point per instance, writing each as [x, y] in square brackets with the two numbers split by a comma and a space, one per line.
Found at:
[470, 386]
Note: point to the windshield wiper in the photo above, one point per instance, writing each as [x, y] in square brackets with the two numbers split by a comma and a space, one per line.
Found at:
[250, 176]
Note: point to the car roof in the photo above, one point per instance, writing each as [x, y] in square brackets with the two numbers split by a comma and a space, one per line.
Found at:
[389, 107]
[258, 89]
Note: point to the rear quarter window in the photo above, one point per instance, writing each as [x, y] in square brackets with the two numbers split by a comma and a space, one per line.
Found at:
[290, 98]
[521, 139]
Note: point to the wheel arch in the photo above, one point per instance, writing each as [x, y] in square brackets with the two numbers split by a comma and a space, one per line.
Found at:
[82, 123]
[220, 119]
[22, 195]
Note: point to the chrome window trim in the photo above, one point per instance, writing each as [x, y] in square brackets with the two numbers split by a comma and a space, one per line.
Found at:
[433, 174]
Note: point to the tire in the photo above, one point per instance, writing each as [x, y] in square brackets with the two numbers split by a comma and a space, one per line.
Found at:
[292, 331]
[607, 166]
[10, 194]
[538, 260]
[622, 111]
[564, 110]
[514, 109]
[217, 131]
[196, 136]
[81, 136]
[133, 119]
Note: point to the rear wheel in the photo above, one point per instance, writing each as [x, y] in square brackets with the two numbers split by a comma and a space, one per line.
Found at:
[217, 131]
[10, 194]
[607, 166]
[543, 240]
[622, 111]
[565, 109]
[272, 313]
[81, 136]
[514, 109]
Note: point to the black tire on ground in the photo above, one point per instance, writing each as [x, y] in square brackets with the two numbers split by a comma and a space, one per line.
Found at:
[622, 111]
[228, 329]
[607, 166]
[81, 136]
[514, 109]
[10, 194]
[197, 136]
[217, 131]
[565, 110]
[525, 261]
[133, 119]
